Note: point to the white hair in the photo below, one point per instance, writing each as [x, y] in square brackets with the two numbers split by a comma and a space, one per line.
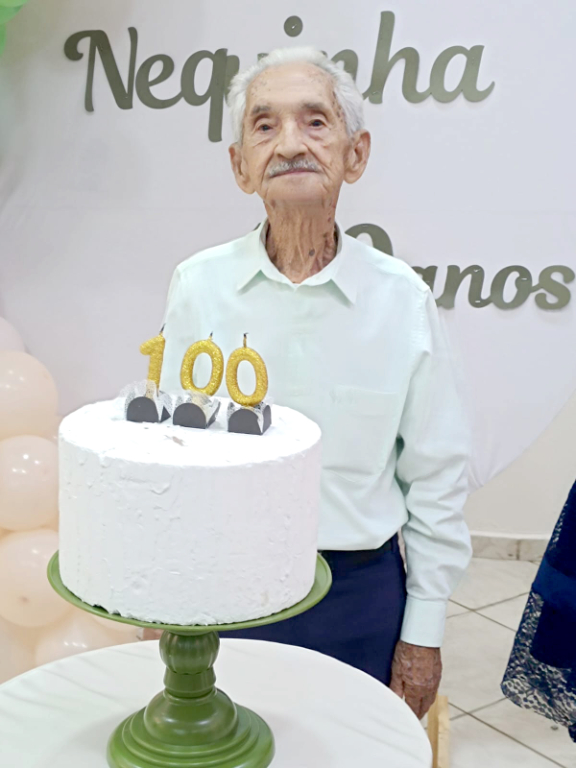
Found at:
[347, 94]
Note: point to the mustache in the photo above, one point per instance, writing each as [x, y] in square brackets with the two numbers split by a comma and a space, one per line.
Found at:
[303, 164]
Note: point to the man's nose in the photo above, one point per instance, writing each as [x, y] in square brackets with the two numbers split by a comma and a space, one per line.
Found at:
[290, 141]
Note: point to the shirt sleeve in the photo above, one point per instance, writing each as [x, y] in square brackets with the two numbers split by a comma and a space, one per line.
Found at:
[433, 471]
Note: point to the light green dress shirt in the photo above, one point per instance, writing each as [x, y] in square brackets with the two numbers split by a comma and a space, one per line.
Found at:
[359, 349]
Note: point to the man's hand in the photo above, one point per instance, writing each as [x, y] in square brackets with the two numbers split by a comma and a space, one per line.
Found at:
[416, 675]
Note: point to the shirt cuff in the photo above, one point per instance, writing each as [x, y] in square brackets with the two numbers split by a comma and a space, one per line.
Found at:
[424, 622]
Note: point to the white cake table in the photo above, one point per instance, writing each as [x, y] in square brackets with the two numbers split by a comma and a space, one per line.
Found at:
[324, 714]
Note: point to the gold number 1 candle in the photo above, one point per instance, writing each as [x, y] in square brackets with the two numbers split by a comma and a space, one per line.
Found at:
[154, 348]
[252, 357]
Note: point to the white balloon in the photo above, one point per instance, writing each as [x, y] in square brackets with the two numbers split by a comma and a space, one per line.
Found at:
[16, 656]
[76, 634]
[9, 337]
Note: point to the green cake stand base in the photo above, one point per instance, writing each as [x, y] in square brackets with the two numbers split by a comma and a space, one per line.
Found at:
[192, 724]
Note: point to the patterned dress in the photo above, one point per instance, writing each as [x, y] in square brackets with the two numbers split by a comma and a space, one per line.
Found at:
[541, 673]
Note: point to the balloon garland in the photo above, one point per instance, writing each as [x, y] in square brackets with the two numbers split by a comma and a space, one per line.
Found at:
[36, 625]
[8, 9]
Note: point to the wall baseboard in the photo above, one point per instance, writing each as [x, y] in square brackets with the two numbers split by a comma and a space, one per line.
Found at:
[493, 546]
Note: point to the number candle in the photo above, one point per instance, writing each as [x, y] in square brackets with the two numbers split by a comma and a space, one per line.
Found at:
[251, 356]
[187, 370]
[154, 348]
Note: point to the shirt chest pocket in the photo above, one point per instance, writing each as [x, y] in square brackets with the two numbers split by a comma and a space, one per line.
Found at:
[359, 431]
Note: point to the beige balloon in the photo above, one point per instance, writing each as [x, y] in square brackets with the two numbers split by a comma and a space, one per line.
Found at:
[28, 397]
[52, 433]
[28, 482]
[77, 633]
[26, 597]
[16, 656]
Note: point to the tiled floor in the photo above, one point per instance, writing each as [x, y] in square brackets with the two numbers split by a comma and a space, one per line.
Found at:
[487, 731]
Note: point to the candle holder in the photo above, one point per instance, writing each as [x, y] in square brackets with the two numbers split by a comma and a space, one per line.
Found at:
[143, 403]
[195, 410]
[249, 421]
[248, 414]
[192, 724]
[198, 408]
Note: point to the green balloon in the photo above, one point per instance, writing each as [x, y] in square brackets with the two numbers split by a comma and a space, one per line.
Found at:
[7, 13]
[2, 37]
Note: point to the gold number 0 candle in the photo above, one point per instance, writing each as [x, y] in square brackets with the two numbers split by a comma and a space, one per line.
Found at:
[251, 356]
[154, 348]
[187, 370]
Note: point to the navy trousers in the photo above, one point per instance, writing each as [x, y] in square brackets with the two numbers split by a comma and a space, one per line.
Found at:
[359, 621]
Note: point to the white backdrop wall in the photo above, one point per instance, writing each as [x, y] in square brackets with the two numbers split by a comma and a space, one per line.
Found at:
[516, 511]
[113, 172]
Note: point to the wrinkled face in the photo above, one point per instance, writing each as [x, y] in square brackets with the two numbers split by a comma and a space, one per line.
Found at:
[296, 150]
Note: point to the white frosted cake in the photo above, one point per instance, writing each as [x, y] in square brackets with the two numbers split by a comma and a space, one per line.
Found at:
[188, 526]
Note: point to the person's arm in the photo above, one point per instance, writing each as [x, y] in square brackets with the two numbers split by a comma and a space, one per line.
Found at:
[433, 470]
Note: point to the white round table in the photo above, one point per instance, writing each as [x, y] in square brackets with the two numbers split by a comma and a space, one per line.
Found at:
[324, 714]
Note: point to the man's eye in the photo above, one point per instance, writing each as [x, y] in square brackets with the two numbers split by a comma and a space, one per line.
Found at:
[264, 127]
[317, 123]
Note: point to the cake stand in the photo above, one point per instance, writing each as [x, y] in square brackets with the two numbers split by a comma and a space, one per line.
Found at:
[192, 724]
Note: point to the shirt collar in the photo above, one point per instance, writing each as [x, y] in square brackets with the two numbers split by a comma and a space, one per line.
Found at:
[340, 271]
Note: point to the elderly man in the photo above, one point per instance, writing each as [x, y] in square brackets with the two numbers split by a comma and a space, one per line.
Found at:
[352, 339]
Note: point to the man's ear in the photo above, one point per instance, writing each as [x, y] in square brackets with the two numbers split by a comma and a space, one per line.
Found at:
[358, 156]
[240, 171]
